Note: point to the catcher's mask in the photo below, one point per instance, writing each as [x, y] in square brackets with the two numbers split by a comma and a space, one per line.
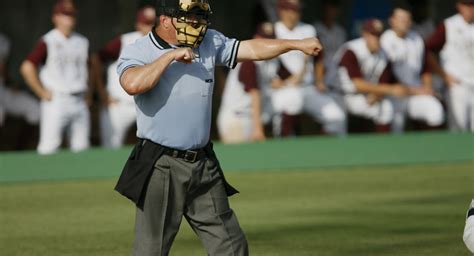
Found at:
[192, 19]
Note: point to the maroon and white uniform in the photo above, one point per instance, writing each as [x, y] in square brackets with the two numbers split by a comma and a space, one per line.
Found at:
[409, 62]
[62, 62]
[118, 117]
[320, 106]
[234, 121]
[354, 60]
[15, 102]
[454, 39]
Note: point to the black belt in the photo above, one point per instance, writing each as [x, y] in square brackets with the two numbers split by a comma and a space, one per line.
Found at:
[470, 212]
[190, 156]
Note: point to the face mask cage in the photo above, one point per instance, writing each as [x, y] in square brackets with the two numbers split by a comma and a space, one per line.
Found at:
[192, 21]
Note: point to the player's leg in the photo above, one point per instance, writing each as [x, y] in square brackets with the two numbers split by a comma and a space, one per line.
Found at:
[286, 103]
[52, 123]
[129, 118]
[458, 108]
[21, 104]
[157, 224]
[79, 130]
[106, 128]
[289, 100]
[468, 235]
[400, 106]
[233, 128]
[210, 216]
[471, 108]
[120, 117]
[427, 109]
[325, 110]
[383, 111]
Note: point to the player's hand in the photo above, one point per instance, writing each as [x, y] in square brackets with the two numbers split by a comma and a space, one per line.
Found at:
[258, 134]
[372, 99]
[311, 46]
[46, 95]
[451, 80]
[421, 91]
[399, 91]
[184, 55]
[277, 83]
[321, 87]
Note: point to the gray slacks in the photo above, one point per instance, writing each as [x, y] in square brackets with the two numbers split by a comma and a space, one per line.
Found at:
[196, 191]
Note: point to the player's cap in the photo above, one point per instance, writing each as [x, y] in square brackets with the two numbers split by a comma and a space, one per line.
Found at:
[146, 15]
[373, 26]
[466, 2]
[294, 5]
[265, 30]
[65, 7]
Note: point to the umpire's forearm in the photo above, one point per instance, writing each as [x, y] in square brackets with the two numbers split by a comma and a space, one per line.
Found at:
[264, 49]
[141, 79]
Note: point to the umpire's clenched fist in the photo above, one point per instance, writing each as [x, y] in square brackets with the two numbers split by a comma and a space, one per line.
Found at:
[310, 46]
[185, 55]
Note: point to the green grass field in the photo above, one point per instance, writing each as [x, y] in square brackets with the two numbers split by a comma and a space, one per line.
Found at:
[408, 210]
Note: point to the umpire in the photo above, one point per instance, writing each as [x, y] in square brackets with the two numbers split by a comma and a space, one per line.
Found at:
[173, 171]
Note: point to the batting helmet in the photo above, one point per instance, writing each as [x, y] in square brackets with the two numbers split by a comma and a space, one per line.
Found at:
[192, 19]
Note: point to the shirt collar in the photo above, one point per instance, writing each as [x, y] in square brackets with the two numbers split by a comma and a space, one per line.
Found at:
[158, 41]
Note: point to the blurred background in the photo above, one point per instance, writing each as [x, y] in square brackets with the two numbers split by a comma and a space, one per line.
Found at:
[25, 21]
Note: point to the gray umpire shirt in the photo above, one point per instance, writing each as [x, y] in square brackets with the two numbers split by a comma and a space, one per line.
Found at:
[177, 112]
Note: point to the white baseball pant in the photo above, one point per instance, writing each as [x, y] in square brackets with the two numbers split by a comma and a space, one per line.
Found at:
[381, 112]
[461, 107]
[115, 120]
[64, 113]
[424, 108]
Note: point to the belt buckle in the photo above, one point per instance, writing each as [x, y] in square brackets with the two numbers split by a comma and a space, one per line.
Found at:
[190, 156]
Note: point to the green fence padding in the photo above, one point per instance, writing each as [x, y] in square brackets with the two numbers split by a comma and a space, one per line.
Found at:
[298, 153]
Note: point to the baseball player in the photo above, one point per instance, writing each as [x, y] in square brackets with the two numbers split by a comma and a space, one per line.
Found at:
[245, 105]
[330, 33]
[468, 236]
[12, 101]
[406, 51]
[57, 72]
[118, 113]
[363, 73]
[454, 40]
[173, 171]
[304, 94]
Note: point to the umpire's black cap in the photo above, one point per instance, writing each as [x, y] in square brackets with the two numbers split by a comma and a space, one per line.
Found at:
[166, 7]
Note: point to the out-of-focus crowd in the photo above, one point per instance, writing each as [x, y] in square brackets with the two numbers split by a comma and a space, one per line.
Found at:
[396, 74]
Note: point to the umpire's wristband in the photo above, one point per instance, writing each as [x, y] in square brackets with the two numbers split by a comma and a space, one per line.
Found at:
[470, 212]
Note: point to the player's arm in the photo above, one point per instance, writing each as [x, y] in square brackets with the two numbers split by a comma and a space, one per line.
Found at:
[96, 77]
[434, 44]
[110, 52]
[385, 86]
[319, 71]
[264, 49]
[364, 86]
[258, 133]
[426, 76]
[140, 79]
[29, 70]
[249, 78]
